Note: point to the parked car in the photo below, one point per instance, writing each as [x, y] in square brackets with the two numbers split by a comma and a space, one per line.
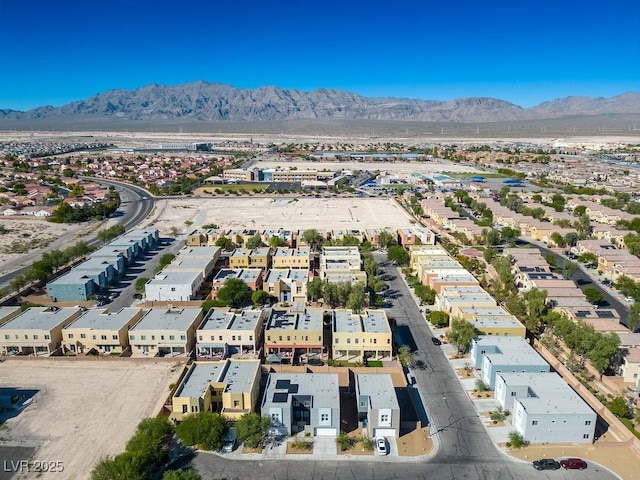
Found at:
[436, 341]
[546, 464]
[381, 446]
[315, 362]
[573, 463]
[230, 440]
[629, 299]
[114, 294]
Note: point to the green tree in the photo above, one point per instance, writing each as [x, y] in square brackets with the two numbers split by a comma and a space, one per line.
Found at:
[314, 289]
[386, 239]
[604, 351]
[224, 243]
[251, 428]
[571, 239]
[254, 241]
[405, 356]
[425, 293]
[588, 258]
[206, 430]
[233, 293]
[398, 254]
[558, 239]
[580, 210]
[312, 237]
[259, 297]
[375, 283]
[509, 233]
[461, 334]
[350, 241]
[490, 236]
[535, 301]
[633, 319]
[276, 242]
[594, 295]
[619, 408]
[438, 319]
[140, 283]
[181, 474]
[357, 298]
[516, 440]
[569, 268]
[124, 466]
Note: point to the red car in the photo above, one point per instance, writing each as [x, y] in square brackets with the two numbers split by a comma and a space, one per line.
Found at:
[573, 464]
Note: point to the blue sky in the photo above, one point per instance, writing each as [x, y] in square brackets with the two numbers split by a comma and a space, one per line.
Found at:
[525, 52]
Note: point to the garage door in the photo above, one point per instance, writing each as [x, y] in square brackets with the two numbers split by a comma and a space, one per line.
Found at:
[384, 432]
[326, 431]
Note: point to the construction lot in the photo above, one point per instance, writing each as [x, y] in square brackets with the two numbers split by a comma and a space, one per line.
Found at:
[288, 212]
[84, 409]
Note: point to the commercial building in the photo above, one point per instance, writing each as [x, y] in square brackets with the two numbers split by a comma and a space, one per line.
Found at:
[229, 387]
[358, 337]
[308, 402]
[378, 406]
[544, 408]
[226, 333]
[165, 332]
[36, 331]
[100, 331]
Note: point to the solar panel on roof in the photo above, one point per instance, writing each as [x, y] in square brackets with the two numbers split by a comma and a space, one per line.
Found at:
[604, 314]
[282, 384]
[280, 397]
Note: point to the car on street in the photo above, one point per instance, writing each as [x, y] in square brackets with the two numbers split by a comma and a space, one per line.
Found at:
[546, 464]
[573, 464]
[381, 446]
[436, 341]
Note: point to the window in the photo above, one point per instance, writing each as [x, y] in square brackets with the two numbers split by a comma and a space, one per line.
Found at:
[251, 338]
[161, 337]
[348, 340]
[384, 418]
[233, 337]
[280, 338]
[336, 340]
[588, 422]
[357, 340]
[586, 435]
[288, 338]
[93, 337]
[239, 338]
[132, 337]
[143, 337]
[172, 337]
[82, 335]
[114, 337]
[200, 337]
[513, 394]
[173, 289]
[219, 338]
[375, 340]
[46, 337]
[236, 403]
[534, 422]
[185, 408]
[307, 403]
[103, 337]
[183, 337]
[35, 337]
[324, 417]
[8, 337]
[153, 337]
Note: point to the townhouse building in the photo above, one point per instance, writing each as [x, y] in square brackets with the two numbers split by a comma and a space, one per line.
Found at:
[358, 337]
[165, 332]
[230, 333]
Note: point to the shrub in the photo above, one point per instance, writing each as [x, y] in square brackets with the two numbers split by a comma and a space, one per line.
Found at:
[516, 440]
[481, 386]
[302, 445]
[344, 441]
[367, 443]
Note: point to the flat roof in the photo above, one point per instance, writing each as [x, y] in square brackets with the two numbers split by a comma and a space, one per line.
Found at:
[291, 252]
[323, 387]
[180, 263]
[40, 318]
[198, 252]
[102, 319]
[489, 321]
[294, 275]
[98, 263]
[173, 277]
[238, 374]
[485, 311]
[74, 277]
[379, 388]
[168, 319]
[370, 321]
[310, 319]
[249, 275]
[7, 312]
[548, 393]
[218, 319]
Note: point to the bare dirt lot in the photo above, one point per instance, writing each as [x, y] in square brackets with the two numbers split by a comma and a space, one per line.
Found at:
[278, 212]
[393, 167]
[22, 239]
[85, 409]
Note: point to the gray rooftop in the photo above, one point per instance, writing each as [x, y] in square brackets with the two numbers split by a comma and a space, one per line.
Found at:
[7, 312]
[39, 318]
[249, 275]
[188, 263]
[370, 321]
[323, 387]
[292, 275]
[98, 263]
[198, 252]
[489, 321]
[548, 393]
[291, 252]
[485, 311]
[287, 320]
[101, 319]
[231, 320]
[510, 351]
[379, 388]
[74, 277]
[175, 277]
[239, 376]
[168, 319]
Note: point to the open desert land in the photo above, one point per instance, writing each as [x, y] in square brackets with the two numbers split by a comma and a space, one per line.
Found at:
[291, 213]
[21, 240]
[85, 409]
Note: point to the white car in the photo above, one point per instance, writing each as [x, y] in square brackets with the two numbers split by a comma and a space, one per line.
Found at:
[381, 446]
[629, 299]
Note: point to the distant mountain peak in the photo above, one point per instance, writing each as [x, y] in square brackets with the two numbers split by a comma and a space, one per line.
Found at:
[205, 101]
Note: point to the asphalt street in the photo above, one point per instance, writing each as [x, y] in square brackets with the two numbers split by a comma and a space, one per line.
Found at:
[464, 449]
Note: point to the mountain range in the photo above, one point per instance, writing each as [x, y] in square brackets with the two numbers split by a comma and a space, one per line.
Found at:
[213, 102]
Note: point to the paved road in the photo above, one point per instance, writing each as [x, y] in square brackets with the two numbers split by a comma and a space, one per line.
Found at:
[465, 450]
[136, 204]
